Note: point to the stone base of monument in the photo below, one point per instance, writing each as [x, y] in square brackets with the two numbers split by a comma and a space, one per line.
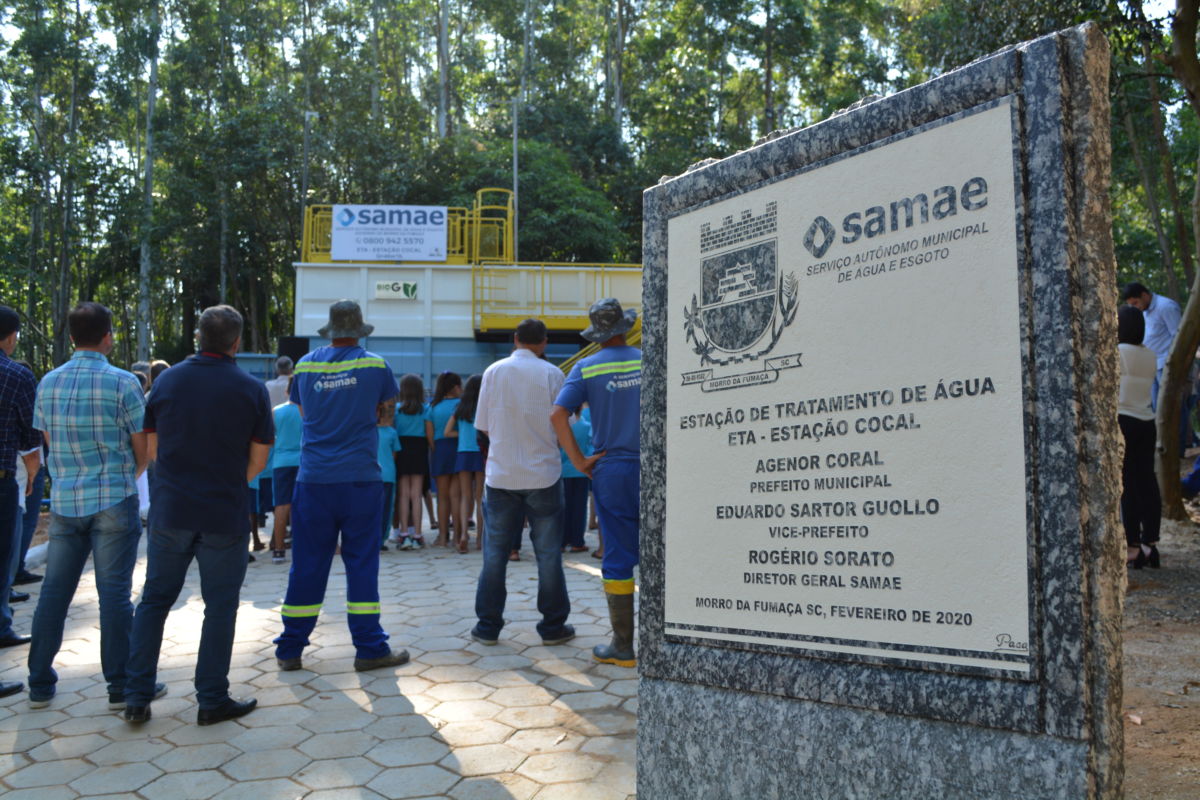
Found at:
[880, 552]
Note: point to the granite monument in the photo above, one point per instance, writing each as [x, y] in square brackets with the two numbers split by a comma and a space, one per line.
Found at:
[880, 556]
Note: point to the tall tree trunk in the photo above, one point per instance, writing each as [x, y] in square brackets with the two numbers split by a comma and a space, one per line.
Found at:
[1168, 169]
[768, 69]
[1150, 186]
[143, 315]
[223, 239]
[443, 62]
[62, 343]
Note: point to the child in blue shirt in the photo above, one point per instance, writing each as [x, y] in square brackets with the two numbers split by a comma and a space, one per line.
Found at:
[389, 445]
[414, 426]
[446, 393]
[468, 465]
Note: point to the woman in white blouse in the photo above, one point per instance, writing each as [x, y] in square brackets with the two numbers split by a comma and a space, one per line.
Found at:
[1141, 504]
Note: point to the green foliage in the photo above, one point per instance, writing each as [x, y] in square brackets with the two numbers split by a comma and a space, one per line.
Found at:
[616, 94]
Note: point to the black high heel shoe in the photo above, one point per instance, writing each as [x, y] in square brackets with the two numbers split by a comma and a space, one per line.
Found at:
[1153, 558]
[1138, 562]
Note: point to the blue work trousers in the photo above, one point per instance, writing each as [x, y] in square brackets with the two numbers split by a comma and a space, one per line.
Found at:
[320, 512]
[616, 483]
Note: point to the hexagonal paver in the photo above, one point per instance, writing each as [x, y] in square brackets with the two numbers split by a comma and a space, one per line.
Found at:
[469, 690]
[67, 747]
[466, 710]
[495, 787]
[265, 764]
[338, 745]
[337, 772]
[560, 767]
[197, 756]
[535, 717]
[110, 780]
[278, 789]
[356, 793]
[413, 781]
[329, 721]
[450, 674]
[545, 740]
[130, 752]
[48, 773]
[580, 791]
[42, 793]
[524, 696]
[276, 737]
[484, 759]
[186, 786]
[465, 734]
[400, 727]
[408, 752]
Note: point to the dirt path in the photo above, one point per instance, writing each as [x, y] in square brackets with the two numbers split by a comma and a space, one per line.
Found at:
[1162, 671]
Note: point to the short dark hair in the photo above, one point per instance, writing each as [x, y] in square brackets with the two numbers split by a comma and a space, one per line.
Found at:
[158, 367]
[89, 323]
[531, 331]
[1134, 289]
[283, 366]
[220, 327]
[9, 322]
[1131, 325]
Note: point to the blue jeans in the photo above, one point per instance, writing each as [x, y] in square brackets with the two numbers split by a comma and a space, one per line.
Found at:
[10, 516]
[505, 510]
[111, 538]
[222, 559]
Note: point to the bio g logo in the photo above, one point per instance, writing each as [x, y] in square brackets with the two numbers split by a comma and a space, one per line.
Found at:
[819, 237]
[346, 218]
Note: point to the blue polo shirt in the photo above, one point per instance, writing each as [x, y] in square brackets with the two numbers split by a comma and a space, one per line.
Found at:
[440, 414]
[288, 428]
[205, 412]
[338, 390]
[412, 424]
[611, 383]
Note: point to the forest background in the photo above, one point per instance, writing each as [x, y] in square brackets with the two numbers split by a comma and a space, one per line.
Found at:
[153, 154]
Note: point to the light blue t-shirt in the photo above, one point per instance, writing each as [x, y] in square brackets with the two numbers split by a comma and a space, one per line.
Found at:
[582, 428]
[467, 441]
[611, 383]
[338, 390]
[440, 414]
[412, 424]
[389, 445]
[289, 427]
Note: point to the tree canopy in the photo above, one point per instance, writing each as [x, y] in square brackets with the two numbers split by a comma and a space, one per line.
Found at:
[169, 136]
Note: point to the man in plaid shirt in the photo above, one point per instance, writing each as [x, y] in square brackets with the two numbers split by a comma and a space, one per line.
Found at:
[91, 413]
[18, 438]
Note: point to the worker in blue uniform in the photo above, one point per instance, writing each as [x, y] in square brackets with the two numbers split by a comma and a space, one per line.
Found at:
[338, 490]
[611, 383]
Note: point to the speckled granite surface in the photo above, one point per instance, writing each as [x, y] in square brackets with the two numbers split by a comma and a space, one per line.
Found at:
[726, 723]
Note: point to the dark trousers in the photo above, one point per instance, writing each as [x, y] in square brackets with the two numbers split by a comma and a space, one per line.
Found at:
[575, 500]
[222, 560]
[1141, 504]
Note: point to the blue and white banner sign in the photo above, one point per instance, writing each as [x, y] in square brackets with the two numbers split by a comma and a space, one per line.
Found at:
[389, 233]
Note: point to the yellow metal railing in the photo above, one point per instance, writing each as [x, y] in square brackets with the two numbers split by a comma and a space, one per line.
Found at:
[634, 337]
[558, 294]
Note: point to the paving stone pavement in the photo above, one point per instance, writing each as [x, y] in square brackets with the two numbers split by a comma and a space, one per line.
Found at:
[461, 720]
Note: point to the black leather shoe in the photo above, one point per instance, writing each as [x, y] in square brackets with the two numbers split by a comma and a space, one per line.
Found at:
[25, 576]
[18, 597]
[10, 687]
[13, 640]
[231, 709]
[137, 714]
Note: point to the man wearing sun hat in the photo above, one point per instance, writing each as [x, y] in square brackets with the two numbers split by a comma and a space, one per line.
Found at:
[338, 490]
[611, 383]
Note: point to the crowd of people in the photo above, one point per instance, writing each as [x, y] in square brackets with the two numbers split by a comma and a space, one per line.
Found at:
[343, 456]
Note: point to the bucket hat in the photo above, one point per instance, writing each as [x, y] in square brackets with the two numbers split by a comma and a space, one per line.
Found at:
[345, 322]
[608, 320]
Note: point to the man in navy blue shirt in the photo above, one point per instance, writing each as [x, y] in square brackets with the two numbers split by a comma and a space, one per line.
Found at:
[18, 439]
[210, 431]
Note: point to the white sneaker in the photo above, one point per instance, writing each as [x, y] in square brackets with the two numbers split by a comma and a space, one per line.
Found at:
[395, 537]
[418, 542]
[407, 544]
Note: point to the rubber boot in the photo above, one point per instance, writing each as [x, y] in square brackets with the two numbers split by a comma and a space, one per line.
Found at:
[620, 650]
